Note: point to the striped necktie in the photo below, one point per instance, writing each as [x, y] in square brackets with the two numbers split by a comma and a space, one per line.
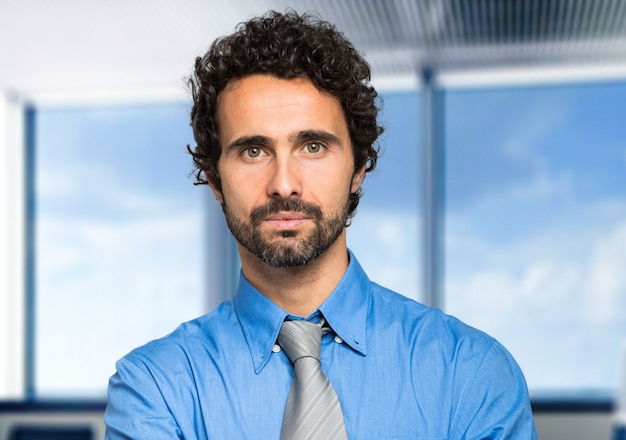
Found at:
[312, 410]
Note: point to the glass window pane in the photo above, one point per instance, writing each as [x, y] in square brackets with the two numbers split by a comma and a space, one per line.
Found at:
[385, 233]
[119, 238]
[535, 241]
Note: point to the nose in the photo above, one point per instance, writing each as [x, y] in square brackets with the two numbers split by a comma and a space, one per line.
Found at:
[285, 179]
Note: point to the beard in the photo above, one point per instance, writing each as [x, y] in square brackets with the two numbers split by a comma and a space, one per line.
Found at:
[290, 248]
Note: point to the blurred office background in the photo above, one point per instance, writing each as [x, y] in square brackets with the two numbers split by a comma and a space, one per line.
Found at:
[500, 196]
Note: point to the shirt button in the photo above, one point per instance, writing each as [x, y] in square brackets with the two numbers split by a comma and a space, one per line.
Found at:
[276, 348]
[338, 340]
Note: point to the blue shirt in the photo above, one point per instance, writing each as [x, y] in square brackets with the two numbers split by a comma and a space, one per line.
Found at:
[401, 370]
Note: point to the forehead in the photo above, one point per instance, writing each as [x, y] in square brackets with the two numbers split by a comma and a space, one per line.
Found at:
[266, 102]
[266, 87]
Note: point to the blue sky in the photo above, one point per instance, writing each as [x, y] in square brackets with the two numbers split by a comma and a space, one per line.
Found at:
[536, 226]
[120, 238]
[385, 233]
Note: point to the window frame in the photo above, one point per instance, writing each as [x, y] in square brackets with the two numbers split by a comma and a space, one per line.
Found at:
[12, 247]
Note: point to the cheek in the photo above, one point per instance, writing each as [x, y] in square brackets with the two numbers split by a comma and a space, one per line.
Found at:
[331, 190]
[241, 194]
[338, 174]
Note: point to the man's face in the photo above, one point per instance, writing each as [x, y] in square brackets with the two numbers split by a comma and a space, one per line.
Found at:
[286, 168]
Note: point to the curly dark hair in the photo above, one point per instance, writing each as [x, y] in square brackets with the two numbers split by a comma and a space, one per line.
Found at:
[286, 46]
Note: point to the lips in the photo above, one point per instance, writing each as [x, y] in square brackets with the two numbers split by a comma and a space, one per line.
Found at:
[287, 216]
[287, 220]
[285, 210]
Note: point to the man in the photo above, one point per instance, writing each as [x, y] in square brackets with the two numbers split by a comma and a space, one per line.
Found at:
[285, 124]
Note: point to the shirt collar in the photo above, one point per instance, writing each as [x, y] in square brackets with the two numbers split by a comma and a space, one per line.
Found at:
[345, 310]
[260, 321]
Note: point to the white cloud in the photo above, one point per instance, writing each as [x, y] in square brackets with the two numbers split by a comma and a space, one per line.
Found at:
[540, 187]
[546, 282]
[97, 186]
[606, 274]
[557, 299]
[106, 287]
[388, 247]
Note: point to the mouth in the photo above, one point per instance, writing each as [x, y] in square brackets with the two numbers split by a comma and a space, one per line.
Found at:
[287, 220]
[285, 214]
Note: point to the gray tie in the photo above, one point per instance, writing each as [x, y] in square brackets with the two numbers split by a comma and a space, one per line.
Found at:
[313, 410]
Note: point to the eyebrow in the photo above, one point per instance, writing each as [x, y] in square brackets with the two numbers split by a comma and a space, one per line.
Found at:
[248, 140]
[315, 135]
[301, 136]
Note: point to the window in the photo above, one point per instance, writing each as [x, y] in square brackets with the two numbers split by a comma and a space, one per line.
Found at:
[119, 238]
[385, 233]
[535, 227]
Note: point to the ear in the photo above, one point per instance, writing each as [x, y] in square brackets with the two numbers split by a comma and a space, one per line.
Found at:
[357, 179]
[211, 179]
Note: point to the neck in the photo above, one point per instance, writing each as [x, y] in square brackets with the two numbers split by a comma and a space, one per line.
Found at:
[298, 290]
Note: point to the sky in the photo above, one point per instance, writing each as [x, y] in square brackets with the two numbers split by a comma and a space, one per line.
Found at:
[536, 226]
[535, 229]
[119, 239]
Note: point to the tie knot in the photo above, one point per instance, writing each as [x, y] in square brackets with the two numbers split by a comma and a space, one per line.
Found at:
[300, 339]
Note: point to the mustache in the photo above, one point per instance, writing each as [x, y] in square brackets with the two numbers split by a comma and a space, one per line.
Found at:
[275, 206]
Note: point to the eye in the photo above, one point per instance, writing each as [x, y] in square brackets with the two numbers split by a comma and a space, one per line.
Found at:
[252, 152]
[314, 147]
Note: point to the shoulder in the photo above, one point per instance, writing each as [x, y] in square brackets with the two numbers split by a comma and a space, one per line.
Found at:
[450, 358]
[427, 330]
[198, 335]
[413, 315]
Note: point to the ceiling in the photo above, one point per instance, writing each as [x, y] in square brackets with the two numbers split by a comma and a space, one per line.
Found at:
[69, 47]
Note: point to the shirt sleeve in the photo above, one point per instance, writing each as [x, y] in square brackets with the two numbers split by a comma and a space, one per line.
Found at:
[495, 403]
[136, 409]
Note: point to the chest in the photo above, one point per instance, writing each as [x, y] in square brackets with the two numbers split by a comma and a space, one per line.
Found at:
[380, 396]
